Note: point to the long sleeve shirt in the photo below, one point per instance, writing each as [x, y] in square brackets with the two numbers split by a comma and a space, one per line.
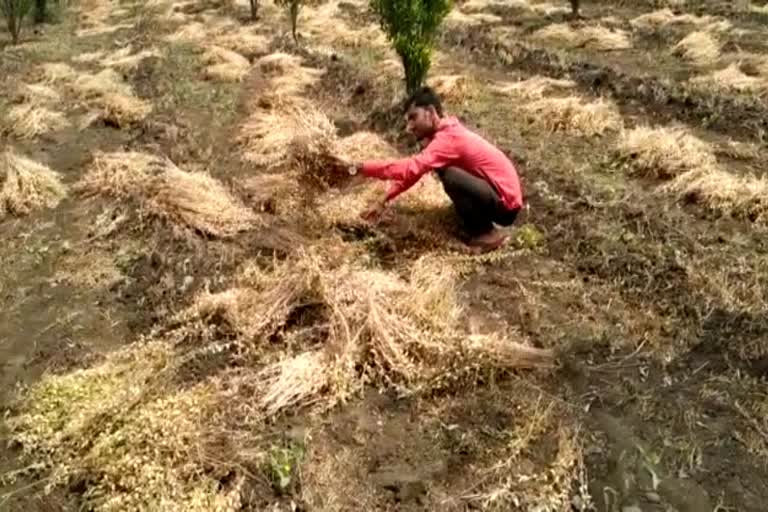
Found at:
[453, 145]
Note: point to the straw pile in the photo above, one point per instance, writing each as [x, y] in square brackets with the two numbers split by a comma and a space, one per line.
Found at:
[664, 152]
[286, 77]
[146, 439]
[548, 9]
[700, 47]
[106, 81]
[457, 18]
[299, 136]
[665, 17]
[158, 435]
[102, 30]
[189, 200]
[121, 110]
[29, 120]
[88, 57]
[224, 64]
[575, 116]
[592, 37]
[452, 88]
[26, 185]
[112, 97]
[268, 134]
[57, 72]
[325, 24]
[533, 88]
[730, 79]
[723, 192]
[210, 29]
[39, 94]
[125, 61]
[471, 6]
[397, 332]
[243, 41]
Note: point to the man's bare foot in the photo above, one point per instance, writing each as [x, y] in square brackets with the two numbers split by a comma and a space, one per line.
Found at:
[487, 242]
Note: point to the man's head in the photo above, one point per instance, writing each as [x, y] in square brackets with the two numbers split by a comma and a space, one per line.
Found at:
[423, 111]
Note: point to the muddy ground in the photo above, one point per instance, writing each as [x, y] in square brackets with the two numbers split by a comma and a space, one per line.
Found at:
[657, 308]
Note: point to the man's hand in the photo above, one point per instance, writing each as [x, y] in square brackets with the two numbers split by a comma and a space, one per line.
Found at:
[374, 213]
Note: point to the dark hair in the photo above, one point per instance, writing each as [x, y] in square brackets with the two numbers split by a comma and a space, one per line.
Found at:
[424, 97]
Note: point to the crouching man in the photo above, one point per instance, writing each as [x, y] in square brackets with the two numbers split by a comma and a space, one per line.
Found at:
[481, 181]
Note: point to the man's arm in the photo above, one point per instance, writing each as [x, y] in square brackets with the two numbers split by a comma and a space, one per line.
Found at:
[405, 172]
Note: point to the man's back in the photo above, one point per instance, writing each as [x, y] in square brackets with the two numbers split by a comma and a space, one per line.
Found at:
[476, 155]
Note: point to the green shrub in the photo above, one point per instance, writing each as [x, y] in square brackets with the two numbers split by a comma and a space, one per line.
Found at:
[412, 26]
[14, 12]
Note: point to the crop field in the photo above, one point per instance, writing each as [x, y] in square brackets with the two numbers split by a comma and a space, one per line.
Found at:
[195, 317]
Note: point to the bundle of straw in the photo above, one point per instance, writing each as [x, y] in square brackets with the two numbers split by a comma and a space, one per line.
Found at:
[27, 185]
[190, 200]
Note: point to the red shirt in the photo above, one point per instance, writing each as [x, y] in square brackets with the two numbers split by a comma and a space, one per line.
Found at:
[453, 145]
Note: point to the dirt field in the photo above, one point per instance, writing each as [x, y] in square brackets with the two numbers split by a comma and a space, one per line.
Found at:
[190, 319]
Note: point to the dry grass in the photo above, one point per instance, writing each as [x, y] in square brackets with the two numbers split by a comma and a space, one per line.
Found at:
[216, 55]
[575, 116]
[372, 321]
[593, 37]
[225, 65]
[723, 192]
[664, 152]
[29, 120]
[155, 439]
[244, 42]
[533, 88]
[548, 9]
[57, 72]
[451, 88]
[665, 17]
[457, 18]
[730, 79]
[144, 435]
[471, 6]
[284, 78]
[102, 30]
[189, 33]
[225, 72]
[121, 110]
[37, 94]
[209, 30]
[125, 61]
[189, 200]
[106, 81]
[88, 57]
[268, 134]
[26, 185]
[701, 47]
[326, 26]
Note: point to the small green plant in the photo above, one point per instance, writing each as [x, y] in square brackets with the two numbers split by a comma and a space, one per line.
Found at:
[528, 237]
[294, 8]
[412, 26]
[283, 466]
[14, 12]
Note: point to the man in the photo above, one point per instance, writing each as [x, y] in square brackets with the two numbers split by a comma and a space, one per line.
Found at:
[480, 180]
